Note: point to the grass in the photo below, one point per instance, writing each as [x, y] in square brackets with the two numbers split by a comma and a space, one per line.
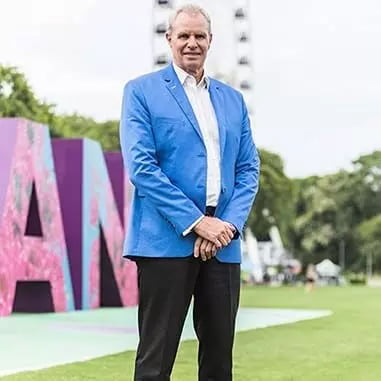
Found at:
[345, 346]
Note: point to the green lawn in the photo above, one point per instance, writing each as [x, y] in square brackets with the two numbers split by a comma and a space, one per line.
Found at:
[345, 346]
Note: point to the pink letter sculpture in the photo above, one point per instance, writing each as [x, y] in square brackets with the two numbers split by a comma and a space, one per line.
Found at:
[32, 242]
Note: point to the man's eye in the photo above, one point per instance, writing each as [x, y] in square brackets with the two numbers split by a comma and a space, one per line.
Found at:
[200, 37]
[183, 36]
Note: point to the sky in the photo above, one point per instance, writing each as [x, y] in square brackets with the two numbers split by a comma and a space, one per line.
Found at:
[317, 98]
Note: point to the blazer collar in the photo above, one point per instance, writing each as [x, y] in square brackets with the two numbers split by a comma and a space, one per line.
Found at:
[218, 101]
[183, 76]
[175, 87]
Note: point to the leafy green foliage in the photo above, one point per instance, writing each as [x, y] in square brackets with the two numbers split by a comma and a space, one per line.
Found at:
[18, 100]
[76, 126]
[368, 235]
[330, 209]
[274, 203]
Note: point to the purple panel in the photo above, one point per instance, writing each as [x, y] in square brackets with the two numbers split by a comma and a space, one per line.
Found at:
[68, 160]
[8, 128]
[114, 163]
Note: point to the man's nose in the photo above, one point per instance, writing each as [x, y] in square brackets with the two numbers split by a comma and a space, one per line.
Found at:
[192, 42]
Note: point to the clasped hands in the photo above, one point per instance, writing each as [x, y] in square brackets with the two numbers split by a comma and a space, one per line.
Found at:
[213, 234]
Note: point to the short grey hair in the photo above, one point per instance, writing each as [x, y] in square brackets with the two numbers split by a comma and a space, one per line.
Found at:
[190, 9]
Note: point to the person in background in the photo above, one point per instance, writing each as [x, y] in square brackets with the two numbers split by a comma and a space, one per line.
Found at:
[311, 277]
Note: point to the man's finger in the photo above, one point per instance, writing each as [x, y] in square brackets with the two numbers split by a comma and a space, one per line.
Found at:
[196, 251]
[229, 236]
[223, 239]
[230, 233]
[208, 250]
[218, 243]
[202, 249]
[228, 239]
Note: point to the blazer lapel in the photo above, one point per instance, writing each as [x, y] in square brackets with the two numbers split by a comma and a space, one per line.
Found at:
[218, 102]
[176, 89]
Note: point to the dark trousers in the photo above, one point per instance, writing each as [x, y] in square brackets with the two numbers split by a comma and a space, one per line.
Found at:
[166, 287]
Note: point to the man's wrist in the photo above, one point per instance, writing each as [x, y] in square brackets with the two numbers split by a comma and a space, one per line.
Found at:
[192, 226]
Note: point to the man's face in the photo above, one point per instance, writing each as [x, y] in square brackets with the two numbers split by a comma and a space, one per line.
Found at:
[189, 41]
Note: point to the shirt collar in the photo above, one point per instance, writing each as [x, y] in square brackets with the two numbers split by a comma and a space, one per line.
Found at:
[184, 77]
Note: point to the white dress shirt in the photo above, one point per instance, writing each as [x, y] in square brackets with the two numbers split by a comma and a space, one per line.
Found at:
[199, 98]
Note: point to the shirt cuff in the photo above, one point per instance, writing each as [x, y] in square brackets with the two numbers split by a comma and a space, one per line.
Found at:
[189, 229]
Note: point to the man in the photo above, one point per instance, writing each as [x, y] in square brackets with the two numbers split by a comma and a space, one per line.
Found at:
[188, 149]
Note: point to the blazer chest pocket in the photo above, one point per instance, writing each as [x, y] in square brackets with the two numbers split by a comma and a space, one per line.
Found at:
[167, 131]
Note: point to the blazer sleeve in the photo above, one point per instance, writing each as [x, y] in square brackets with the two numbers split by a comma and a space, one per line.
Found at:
[140, 160]
[246, 178]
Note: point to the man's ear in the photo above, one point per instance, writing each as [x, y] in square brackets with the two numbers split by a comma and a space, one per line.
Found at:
[168, 37]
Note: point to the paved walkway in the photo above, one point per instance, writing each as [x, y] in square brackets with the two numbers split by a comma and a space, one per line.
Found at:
[35, 341]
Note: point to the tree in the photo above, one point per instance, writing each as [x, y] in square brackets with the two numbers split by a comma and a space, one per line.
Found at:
[275, 199]
[368, 235]
[365, 183]
[330, 208]
[18, 100]
[314, 223]
[77, 126]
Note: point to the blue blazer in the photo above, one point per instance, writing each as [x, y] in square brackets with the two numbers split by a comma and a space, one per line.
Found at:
[165, 156]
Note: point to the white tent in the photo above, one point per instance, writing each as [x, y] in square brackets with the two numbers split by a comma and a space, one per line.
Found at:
[326, 268]
[276, 238]
[251, 260]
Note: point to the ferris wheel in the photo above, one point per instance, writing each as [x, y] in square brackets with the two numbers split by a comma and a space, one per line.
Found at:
[160, 51]
[243, 72]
